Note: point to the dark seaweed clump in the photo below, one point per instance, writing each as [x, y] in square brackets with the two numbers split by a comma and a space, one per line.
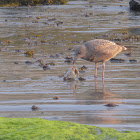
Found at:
[30, 2]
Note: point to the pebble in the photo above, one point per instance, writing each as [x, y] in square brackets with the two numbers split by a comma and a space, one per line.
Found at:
[15, 62]
[128, 54]
[46, 67]
[28, 62]
[133, 61]
[56, 97]
[68, 59]
[114, 60]
[29, 53]
[68, 79]
[52, 63]
[81, 79]
[34, 107]
[111, 105]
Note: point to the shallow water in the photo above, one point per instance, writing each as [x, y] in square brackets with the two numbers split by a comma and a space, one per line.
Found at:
[63, 28]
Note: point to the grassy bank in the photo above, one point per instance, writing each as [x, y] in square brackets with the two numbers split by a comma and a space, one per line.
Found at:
[36, 128]
[7, 3]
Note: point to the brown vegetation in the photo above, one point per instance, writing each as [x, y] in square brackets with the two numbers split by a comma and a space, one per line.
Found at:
[30, 2]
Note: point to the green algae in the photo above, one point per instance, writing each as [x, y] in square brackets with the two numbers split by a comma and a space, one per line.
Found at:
[37, 128]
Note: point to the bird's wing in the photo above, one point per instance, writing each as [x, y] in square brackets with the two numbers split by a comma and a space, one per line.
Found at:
[108, 49]
[101, 46]
[99, 49]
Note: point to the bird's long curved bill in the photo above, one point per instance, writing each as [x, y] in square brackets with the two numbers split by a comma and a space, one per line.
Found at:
[74, 61]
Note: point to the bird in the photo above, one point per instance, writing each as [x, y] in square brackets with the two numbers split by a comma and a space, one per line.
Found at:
[98, 50]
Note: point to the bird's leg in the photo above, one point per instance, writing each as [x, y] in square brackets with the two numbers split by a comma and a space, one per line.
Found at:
[103, 70]
[95, 70]
[95, 84]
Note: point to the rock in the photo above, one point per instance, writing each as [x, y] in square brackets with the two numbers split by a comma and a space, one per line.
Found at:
[128, 54]
[68, 79]
[9, 41]
[133, 61]
[29, 53]
[28, 62]
[111, 105]
[68, 59]
[38, 17]
[17, 50]
[42, 41]
[134, 5]
[52, 63]
[40, 62]
[55, 56]
[15, 62]
[56, 97]
[114, 60]
[83, 68]
[81, 79]
[46, 67]
[58, 23]
[34, 107]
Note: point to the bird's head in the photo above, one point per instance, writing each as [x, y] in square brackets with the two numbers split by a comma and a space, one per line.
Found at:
[79, 53]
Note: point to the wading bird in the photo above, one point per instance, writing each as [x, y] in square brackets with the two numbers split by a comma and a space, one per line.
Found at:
[98, 50]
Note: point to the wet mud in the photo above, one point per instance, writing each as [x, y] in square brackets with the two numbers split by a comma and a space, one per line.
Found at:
[36, 50]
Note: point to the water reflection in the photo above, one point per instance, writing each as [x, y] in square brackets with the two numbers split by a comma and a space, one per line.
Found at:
[96, 91]
[93, 101]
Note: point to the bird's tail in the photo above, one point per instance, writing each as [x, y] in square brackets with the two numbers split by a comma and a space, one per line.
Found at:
[126, 48]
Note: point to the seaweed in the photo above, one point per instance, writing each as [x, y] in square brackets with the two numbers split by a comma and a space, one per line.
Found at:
[31, 2]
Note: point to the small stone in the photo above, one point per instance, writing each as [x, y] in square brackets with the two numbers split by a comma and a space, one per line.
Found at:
[28, 62]
[17, 50]
[68, 79]
[114, 60]
[34, 107]
[134, 5]
[39, 61]
[42, 41]
[111, 105]
[56, 97]
[29, 53]
[70, 58]
[46, 67]
[81, 79]
[128, 54]
[38, 17]
[15, 62]
[68, 61]
[52, 63]
[133, 61]
[83, 68]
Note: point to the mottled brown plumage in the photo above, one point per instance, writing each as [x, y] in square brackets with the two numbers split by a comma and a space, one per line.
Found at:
[98, 50]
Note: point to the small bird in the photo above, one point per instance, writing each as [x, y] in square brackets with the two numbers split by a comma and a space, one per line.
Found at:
[98, 50]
